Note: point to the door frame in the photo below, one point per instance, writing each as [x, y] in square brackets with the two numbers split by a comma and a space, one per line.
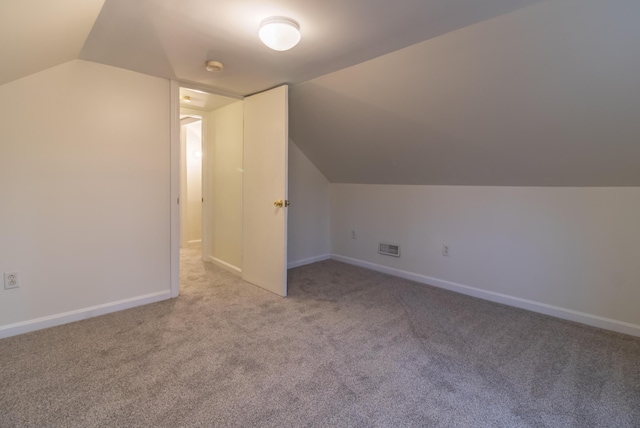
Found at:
[183, 186]
[174, 129]
[184, 174]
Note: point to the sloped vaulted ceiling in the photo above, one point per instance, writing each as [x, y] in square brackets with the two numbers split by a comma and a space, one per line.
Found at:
[173, 38]
[38, 34]
[469, 92]
[547, 95]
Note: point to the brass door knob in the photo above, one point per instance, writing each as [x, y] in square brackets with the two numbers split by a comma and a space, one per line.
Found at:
[280, 203]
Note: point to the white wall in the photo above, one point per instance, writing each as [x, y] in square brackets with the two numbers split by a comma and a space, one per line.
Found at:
[569, 252]
[225, 129]
[84, 190]
[309, 214]
[194, 181]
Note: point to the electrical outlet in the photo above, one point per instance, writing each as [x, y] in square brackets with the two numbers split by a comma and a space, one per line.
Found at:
[11, 280]
[445, 250]
[353, 234]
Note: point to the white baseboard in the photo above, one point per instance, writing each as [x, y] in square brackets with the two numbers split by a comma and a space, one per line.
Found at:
[226, 266]
[195, 241]
[308, 261]
[543, 308]
[80, 314]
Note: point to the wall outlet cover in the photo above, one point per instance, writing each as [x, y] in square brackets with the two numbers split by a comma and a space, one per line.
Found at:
[445, 250]
[11, 280]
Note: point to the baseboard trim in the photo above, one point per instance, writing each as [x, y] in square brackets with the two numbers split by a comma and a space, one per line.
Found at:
[308, 261]
[226, 266]
[195, 241]
[80, 314]
[543, 308]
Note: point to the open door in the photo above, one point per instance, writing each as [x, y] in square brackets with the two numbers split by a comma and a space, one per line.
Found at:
[266, 141]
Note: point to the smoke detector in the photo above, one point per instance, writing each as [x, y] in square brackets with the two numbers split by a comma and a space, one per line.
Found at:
[214, 66]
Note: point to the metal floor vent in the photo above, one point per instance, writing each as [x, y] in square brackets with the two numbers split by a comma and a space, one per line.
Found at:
[389, 249]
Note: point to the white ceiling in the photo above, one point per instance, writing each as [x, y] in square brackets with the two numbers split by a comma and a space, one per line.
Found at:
[173, 39]
[473, 92]
[38, 34]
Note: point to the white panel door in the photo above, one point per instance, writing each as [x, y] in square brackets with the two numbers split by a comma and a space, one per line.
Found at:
[266, 141]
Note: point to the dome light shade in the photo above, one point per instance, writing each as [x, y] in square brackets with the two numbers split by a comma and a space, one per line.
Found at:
[279, 33]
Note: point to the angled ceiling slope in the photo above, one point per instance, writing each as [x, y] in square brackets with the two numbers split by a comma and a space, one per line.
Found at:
[173, 39]
[39, 34]
[543, 96]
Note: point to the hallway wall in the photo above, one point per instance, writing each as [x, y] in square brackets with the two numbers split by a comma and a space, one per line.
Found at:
[225, 139]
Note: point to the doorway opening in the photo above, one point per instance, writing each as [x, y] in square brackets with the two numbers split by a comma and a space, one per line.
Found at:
[211, 150]
[244, 184]
[191, 181]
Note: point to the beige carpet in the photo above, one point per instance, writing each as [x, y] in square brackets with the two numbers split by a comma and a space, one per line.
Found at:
[349, 347]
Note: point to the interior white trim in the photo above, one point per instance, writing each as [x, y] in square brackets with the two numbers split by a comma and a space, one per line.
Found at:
[182, 171]
[81, 314]
[206, 206]
[174, 129]
[543, 308]
[308, 261]
[224, 265]
[208, 90]
[194, 241]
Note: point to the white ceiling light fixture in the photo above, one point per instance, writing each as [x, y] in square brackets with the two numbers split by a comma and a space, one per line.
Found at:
[214, 66]
[279, 33]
